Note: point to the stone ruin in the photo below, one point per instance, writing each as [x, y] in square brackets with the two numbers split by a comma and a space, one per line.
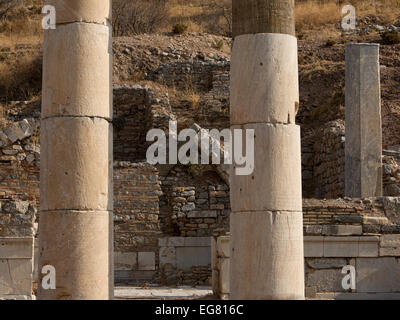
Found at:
[171, 223]
[167, 218]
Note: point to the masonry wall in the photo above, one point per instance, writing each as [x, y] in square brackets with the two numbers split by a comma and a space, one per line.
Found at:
[136, 219]
[360, 233]
[323, 164]
[195, 202]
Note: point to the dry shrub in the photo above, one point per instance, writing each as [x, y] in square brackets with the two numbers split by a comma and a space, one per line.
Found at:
[311, 14]
[21, 18]
[3, 120]
[21, 79]
[212, 16]
[6, 7]
[132, 17]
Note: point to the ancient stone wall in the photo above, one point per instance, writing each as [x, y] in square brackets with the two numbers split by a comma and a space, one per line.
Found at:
[204, 91]
[323, 163]
[327, 162]
[195, 202]
[364, 233]
[184, 260]
[20, 159]
[136, 208]
[187, 74]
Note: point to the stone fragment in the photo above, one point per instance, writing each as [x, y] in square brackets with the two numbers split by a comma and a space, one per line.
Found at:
[326, 263]
[341, 230]
[325, 280]
[264, 79]
[223, 247]
[146, 261]
[83, 162]
[390, 241]
[95, 11]
[125, 260]
[341, 246]
[264, 188]
[84, 90]
[375, 220]
[268, 227]
[378, 275]
[363, 172]
[313, 246]
[347, 219]
[77, 232]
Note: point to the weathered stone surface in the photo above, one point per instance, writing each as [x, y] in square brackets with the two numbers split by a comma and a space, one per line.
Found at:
[311, 292]
[85, 89]
[223, 247]
[76, 164]
[254, 16]
[389, 252]
[16, 277]
[176, 241]
[341, 246]
[375, 220]
[312, 230]
[77, 244]
[264, 79]
[202, 214]
[197, 241]
[368, 246]
[275, 183]
[326, 263]
[363, 172]
[392, 208]
[268, 246]
[18, 131]
[67, 11]
[187, 257]
[313, 246]
[357, 296]
[341, 230]
[378, 275]
[125, 260]
[16, 248]
[168, 256]
[371, 228]
[146, 261]
[390, 241]
[224, 275]
[325, 280]
[214, 266]
[348, 219]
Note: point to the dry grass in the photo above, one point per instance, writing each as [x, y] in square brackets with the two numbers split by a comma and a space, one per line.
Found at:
[314, 18]
[3, 121]
[320, 20]
[22, 23]
[20, 79]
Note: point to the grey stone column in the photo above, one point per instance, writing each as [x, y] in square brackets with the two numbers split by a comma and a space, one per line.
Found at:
[76, 194]
[363, 162]
[267, 260]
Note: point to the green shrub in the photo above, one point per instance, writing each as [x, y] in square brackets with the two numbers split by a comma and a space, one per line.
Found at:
[217, 44]
[3, 56]
[179, 28]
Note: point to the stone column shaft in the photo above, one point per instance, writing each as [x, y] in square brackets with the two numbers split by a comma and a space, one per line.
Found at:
[76, 225]
[267, 260]
[363, 149]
